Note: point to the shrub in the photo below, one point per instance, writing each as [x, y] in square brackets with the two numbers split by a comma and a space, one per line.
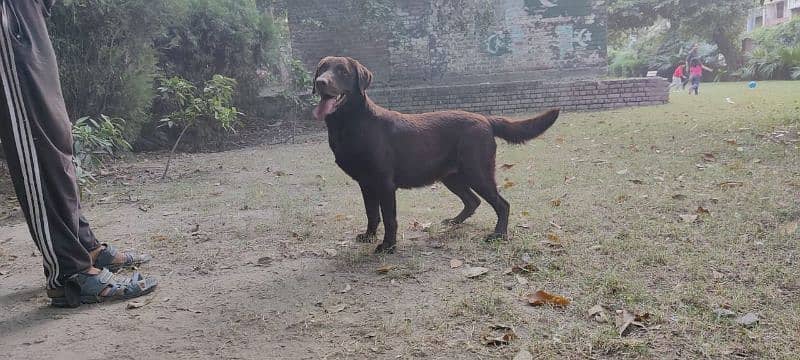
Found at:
[208, 113]
[106, 59]
[95, 140]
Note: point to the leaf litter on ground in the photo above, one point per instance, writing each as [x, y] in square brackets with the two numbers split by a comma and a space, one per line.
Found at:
[542, 297]
[498, 335]
[626, 321]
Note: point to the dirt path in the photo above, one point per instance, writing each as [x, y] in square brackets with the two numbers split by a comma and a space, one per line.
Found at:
[236, 280]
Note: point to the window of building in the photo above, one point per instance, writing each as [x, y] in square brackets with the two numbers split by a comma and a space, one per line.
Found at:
[780, 8]
[759, 22]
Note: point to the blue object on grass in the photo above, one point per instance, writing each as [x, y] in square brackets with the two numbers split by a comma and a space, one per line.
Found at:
[752, 85]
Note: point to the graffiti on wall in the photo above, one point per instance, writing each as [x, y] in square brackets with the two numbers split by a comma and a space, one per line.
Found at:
[584, 37]
[556, 8]
[499, 43]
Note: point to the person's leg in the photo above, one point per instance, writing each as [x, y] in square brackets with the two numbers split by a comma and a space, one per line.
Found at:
[36, 134]
[37, 130]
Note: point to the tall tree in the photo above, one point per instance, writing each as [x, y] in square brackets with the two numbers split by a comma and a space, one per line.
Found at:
[719, 22]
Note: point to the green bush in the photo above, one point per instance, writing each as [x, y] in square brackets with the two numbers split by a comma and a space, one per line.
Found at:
[111, 52]
[233, 38]
[95, 140]
[775, 54]
[207, 113]
[106, 58]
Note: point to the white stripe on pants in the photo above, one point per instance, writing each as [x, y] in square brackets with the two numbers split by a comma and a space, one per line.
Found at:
[26, 152]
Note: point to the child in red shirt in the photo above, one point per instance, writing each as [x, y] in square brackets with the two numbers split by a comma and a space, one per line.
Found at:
[695, 74]
[677, 78]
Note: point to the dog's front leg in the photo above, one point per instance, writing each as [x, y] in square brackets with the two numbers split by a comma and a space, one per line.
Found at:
[372, 206]
[389, 212]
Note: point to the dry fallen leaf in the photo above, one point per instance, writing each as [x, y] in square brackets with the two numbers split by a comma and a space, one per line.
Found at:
[506, 166]
[599, 313]
[553, 240]
[702, 211]
[339, 217]
[625, 319]
[159, 238]
[731, 184]
[522, 268]
[722, 312]
[555, 202]
[499, 335]
[417, 226]
[731, 141]
[689, 218]
[337, 309]
[385, 268]
[474, 272]
[709, 157]
[679, 197]
[636, 181]
[748, 320]
[542, 297]
[507, 184]
[455, 263]
[136, 304]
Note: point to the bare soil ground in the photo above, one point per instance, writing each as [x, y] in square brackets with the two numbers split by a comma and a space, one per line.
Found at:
[684, 214]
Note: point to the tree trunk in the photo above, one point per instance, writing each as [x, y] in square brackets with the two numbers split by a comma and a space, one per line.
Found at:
[731, 51]
[172, 152]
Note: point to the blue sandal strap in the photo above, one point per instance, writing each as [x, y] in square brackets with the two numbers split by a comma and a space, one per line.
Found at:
[105, 259]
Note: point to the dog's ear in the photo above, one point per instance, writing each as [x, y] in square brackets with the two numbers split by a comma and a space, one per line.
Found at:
[364, 77]
[316, 75]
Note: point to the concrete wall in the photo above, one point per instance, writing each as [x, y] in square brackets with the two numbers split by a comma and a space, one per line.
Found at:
[526, 96]
[437, 42]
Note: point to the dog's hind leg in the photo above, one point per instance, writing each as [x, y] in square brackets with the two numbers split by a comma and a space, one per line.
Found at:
[456, 184]
[488, 191]
[477, 165]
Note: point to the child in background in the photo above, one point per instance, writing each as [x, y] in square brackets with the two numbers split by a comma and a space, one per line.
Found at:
[695, 74]
[677, 79]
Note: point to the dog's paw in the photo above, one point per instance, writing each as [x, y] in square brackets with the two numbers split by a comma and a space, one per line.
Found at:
[385, 249]
[366, 238]
[495, 237]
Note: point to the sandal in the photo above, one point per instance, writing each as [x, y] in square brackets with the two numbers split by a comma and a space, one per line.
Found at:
[105, 259]
[89, 289]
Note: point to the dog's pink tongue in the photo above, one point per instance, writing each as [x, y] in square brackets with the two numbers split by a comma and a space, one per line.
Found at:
[324, 108]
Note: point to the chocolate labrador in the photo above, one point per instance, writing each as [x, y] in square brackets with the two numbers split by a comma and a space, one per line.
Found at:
[384, 150]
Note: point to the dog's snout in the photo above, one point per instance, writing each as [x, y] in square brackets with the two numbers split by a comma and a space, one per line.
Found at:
[321, 82]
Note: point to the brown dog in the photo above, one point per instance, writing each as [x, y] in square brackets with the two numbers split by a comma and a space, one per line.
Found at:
[384, 150]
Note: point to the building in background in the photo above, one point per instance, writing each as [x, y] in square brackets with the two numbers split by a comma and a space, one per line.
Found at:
[772, 13]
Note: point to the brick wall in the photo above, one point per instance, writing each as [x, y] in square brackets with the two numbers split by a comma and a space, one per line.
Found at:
[445, 42]
[526, 96]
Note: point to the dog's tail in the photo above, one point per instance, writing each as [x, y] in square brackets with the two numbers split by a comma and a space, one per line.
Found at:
[518, 132]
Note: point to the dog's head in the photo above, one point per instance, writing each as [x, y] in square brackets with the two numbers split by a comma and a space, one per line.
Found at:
[339, 81]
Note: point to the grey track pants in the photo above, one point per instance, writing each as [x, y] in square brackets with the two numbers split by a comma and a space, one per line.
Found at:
[36, 135]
